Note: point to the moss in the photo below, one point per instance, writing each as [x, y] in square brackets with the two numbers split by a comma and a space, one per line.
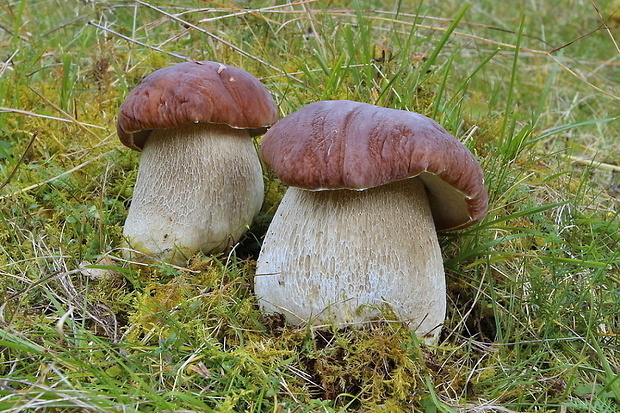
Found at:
[206, 300]
[372, 365]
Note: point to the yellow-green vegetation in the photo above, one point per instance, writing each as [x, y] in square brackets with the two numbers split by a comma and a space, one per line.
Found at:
[532, 88]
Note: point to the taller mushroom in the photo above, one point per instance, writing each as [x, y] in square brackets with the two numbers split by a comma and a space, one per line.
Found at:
[200, 181]
[356, 230]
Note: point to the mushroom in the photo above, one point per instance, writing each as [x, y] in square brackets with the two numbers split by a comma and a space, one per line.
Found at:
[199, 182]
[355, 232]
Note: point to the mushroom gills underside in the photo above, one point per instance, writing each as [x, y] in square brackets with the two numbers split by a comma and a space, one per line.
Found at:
[448, 204]
[198, 188]
[340, 256]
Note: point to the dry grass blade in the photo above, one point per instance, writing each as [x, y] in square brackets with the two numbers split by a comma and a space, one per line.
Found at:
[38, 115]
[582, 79]
[217, 38]
[33, 398]
[101, 314]
[484, 407]
[595, 164]
[255, 12]
[21, 160]
[605, 25]
[67, 172]
[129, 39]
[542, 52]
[67, 115]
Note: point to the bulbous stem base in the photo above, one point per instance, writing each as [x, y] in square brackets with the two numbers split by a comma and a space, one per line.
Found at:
[342, 257]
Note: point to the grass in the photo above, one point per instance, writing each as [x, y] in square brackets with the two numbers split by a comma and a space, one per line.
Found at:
[534, 290]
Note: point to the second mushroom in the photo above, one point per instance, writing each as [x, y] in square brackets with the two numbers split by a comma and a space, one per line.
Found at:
[356, 231]
[200, 181]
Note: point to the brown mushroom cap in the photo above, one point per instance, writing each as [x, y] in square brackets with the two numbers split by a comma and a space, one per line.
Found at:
[194, 92]
[352, 145]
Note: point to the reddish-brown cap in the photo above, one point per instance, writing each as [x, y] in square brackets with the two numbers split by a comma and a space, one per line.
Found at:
[352, 145]
[193, 92]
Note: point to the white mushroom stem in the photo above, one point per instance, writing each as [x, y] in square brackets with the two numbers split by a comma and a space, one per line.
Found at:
[198, 188]
[339, 256]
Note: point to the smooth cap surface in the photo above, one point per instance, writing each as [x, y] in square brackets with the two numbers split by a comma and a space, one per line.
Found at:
[352, 145]
[193, 92]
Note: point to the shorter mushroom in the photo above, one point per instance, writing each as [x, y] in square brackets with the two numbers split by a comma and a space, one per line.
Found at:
[200, 181]
[356, 230]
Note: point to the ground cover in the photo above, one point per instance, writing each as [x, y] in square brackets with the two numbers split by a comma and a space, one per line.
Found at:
[534, 290]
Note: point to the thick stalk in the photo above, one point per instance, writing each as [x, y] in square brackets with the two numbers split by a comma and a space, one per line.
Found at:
[198, 188]
[341, 256]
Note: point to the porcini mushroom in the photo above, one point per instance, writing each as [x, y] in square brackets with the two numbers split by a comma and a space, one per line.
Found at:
[356, 229]
[199, 182]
